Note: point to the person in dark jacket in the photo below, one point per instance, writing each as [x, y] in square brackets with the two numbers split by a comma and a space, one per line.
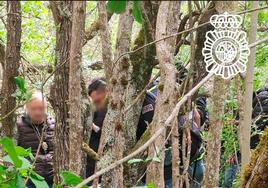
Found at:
[198, 117]
[97, 93]
[31, 126]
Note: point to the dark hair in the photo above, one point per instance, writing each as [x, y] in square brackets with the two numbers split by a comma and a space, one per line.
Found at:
[95, 84]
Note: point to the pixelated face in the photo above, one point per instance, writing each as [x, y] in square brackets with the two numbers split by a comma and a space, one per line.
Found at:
[98, 98]
[36, 110]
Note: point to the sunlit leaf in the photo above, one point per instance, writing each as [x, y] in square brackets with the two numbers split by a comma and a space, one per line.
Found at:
[150, 185]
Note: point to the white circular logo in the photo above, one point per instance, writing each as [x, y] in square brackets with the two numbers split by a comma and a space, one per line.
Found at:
[226, 48]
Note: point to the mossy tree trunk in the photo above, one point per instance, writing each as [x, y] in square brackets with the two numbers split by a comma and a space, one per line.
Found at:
[255, 174]
[142, 63]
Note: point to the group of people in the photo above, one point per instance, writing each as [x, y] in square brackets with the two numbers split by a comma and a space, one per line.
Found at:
[198, 116]
[32, 125]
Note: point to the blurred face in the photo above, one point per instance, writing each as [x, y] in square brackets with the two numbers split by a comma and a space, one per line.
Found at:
[98, 98]
[36, 110]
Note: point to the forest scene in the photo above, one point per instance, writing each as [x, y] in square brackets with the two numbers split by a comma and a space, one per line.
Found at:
[134, 94]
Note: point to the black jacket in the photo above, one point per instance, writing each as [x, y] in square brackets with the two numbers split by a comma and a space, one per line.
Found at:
[28, 138]
[259, 113]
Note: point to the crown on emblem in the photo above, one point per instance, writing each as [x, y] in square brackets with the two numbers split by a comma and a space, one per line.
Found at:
[226, 20]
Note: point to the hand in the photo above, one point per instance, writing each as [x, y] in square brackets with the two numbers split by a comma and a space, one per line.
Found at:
[95, 128]
[233, 160]
[188, 137]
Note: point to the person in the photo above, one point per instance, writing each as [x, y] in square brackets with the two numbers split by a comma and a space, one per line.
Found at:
[31, 126]
[259, 116]
[97, 94]
[197, 118]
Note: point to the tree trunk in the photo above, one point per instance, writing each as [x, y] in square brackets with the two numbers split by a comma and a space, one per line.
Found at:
[76, 127]
[255, 174]
[245, 118]
[167, 22]
[11, 66]
[112, 139]
[62, 11]
[2, 62]
[105, 39]
[142, 63]
[220, 91]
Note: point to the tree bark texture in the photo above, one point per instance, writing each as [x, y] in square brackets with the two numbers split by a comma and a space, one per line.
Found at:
[255, 174]
[11, 66]
[59, 91]
[75, 98]
[2, 62]
[245, 119]
[167, 96]
[112, 139]
[105, 39]
[141, 64]
[220, 92]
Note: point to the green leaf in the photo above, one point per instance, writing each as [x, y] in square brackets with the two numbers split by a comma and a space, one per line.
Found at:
[38, 183]
[69, 178]
[25, 163]
[8, 146]
[132, 161]
[20, 82]
[150, 185]
[137, 12]
[37, 176]
[116, 6]
[20, 182]
[22, 152]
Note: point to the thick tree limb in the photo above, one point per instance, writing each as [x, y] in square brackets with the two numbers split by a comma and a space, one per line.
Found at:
[91, 32]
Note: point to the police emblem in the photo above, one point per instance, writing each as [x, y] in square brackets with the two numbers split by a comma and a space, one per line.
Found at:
[226, 48]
